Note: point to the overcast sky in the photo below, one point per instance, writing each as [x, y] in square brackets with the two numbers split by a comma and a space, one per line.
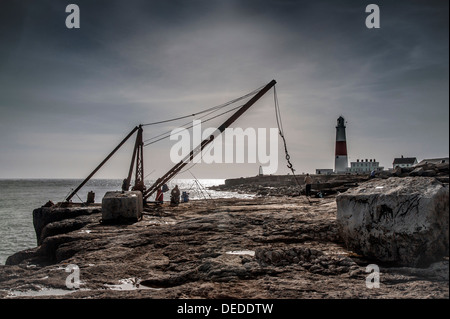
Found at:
[69, 96]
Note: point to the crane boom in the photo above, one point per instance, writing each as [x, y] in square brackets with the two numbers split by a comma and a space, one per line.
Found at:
[101, 164]
[179, 166]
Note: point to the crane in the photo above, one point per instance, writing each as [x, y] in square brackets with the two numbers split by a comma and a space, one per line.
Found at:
[137, 160]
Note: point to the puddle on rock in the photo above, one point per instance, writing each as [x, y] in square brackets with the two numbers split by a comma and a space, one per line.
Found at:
[42, 292]
[241, 252]
[128, 284]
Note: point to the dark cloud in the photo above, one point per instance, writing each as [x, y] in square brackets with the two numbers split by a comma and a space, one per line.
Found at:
[68, 96]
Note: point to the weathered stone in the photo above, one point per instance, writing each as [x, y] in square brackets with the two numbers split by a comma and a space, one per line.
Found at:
[401, 220]
[443, 167]
[418, 171]
[436, 271]
[425, 171]
[443, 179]
[122, 205]
[64, 226]
[400, 172]
[18, 257]
[45, 215]
[429, 173]
[315, 268]
[384, 174]
[183, 251]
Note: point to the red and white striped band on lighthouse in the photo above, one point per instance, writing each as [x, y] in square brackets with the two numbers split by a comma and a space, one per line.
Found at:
[340, 162]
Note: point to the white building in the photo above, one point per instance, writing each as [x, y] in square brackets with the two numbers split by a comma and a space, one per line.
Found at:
[404, 162]
[364, 166]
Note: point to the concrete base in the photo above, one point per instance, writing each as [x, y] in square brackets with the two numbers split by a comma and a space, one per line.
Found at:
[122, 206]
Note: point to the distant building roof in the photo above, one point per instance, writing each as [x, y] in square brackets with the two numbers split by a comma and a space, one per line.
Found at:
[435, 160]
[405, 160]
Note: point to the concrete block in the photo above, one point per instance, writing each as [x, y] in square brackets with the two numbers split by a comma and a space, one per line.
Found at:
[122, 206]
[400, 220]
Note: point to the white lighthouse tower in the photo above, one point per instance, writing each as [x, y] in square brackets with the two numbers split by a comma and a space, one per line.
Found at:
[340, 160]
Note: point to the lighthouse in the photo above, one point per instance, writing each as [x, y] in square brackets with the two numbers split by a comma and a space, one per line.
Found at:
[340, 160]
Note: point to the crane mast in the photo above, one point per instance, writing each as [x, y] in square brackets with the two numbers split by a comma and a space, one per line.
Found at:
[137, 160]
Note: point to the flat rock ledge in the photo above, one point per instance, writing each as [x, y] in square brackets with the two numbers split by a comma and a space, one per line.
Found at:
[271, 247]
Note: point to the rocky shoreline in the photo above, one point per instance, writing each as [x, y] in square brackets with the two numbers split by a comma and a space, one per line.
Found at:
[287, 185]
[267, 247]
[325, 185]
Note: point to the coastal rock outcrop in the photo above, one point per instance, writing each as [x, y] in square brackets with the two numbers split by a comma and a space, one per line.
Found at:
[440, 171]
[399, 220]
[49, 221]
[259, 248]
[286, 185]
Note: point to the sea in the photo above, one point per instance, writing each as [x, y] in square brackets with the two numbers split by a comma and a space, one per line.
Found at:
[19, 197]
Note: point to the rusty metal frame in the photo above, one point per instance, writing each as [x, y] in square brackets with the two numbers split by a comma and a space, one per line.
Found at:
[179, 166]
